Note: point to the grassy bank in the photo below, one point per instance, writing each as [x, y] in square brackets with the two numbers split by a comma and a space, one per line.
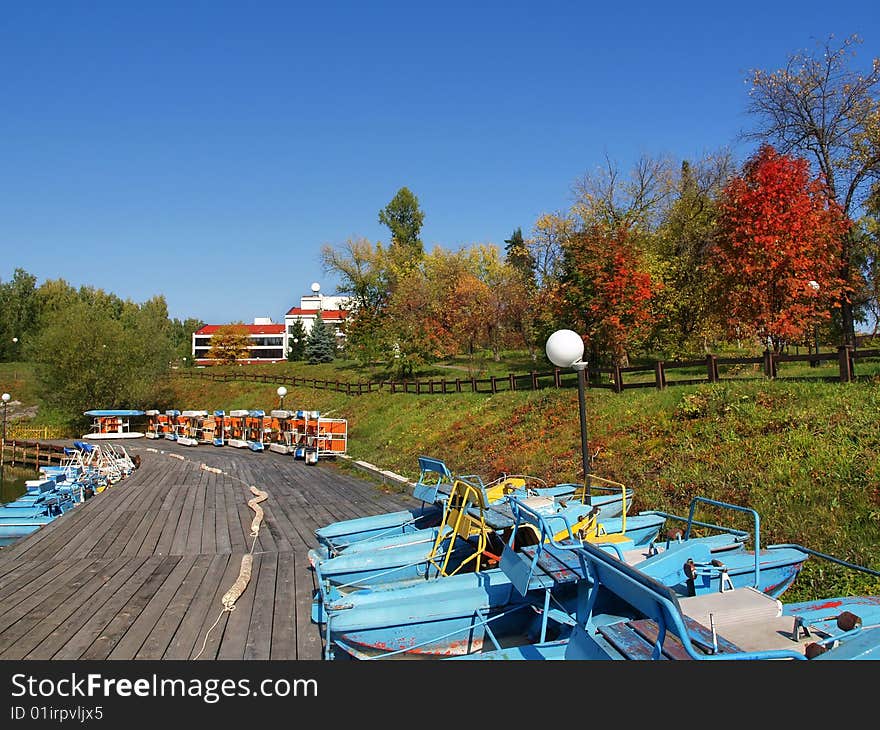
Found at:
[803, 454]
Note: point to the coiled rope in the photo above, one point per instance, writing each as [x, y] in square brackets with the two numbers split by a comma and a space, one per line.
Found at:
[247, 560]
[247, 563]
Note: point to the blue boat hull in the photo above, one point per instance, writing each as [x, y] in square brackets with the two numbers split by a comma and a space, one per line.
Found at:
[444, 616]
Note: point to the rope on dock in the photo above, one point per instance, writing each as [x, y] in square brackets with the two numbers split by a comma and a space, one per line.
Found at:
[247, 560]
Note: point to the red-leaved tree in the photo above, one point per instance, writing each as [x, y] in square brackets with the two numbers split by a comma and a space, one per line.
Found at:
[607, 290]
[776, 260]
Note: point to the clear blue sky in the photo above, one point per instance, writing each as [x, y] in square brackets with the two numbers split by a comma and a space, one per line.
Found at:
[207, 150]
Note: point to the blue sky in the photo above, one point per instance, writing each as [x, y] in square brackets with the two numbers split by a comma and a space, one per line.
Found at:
[206, 151]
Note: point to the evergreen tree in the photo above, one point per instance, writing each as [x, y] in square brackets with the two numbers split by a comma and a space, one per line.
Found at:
[517, 254]
[297, 342]
[320, 346]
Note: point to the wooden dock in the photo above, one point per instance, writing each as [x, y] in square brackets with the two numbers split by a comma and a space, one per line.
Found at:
[138, 571]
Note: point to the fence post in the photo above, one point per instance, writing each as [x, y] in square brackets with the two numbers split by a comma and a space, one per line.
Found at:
[659, 375]
[712, 368]
[493, 382]
[473, 383]
[534, 380]
[845, 360]
[443, 385]
[618, 379]
[512, 381]
[458, 385]
[557, 381]
[769, 364]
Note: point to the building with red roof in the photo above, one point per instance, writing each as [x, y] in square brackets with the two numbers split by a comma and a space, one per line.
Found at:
[269, 342]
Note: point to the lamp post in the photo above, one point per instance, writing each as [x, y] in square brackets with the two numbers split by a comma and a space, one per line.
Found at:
[565, 349]
[814, 285]
[282, 391]
[5, 397]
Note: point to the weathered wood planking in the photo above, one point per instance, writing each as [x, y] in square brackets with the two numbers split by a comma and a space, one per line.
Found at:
[139, 571]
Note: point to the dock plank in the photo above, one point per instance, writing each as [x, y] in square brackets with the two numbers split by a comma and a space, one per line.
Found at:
[139, 570]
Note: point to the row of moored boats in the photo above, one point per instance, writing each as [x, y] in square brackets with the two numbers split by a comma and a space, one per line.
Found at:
[517, 569]
[85, 470]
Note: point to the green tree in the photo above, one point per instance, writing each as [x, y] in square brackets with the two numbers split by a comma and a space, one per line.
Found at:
[18, 314]
[180, 333]
[296, 338]
[364, 273]
[404, 219]
[91, 359]
[54, 296]
[230, 343]
[680, 246]
[320, 344]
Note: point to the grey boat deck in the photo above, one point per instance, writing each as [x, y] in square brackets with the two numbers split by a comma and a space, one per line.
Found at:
[138, 571]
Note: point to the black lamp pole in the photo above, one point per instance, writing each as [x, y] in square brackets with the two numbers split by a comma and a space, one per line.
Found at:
[3, 443]
[582, 408]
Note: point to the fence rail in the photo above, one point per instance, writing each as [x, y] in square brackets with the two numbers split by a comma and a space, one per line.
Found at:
[36, 433]
[660, 375]
[33, 453]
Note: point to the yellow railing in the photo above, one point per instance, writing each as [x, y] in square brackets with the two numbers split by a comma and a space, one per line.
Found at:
[35, 433]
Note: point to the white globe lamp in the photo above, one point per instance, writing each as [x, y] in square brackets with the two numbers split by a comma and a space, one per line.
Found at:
[565, 349]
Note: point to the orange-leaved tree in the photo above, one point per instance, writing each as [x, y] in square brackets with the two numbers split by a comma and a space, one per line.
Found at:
[230, 343]
[776, 261]
[607, 289]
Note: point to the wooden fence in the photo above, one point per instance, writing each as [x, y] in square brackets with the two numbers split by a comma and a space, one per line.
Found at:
[32, 453]
[659, 375]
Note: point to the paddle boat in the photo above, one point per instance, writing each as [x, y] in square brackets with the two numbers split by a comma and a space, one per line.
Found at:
[431, 489]
[535, 595]
[173, 424]
[220, 428]
[42, 502]
[255, 430]
[282, 431]
[154, 424]
[650, 621]
[112, 424]
[476, 521]
[235, 422]
[190, 427]
[207, 426]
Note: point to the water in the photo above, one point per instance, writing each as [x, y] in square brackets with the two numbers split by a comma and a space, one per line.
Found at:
[12, 479]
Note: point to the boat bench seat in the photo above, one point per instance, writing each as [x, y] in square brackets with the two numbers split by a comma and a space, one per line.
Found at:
[554, 565]
[636, 639]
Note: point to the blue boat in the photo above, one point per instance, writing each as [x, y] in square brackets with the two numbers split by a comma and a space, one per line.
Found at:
[469, 536]
[432, 488]
[653, 622]
[536, 594]
[41, 503]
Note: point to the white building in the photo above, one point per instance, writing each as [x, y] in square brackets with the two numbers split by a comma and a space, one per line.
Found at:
[269, 341]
